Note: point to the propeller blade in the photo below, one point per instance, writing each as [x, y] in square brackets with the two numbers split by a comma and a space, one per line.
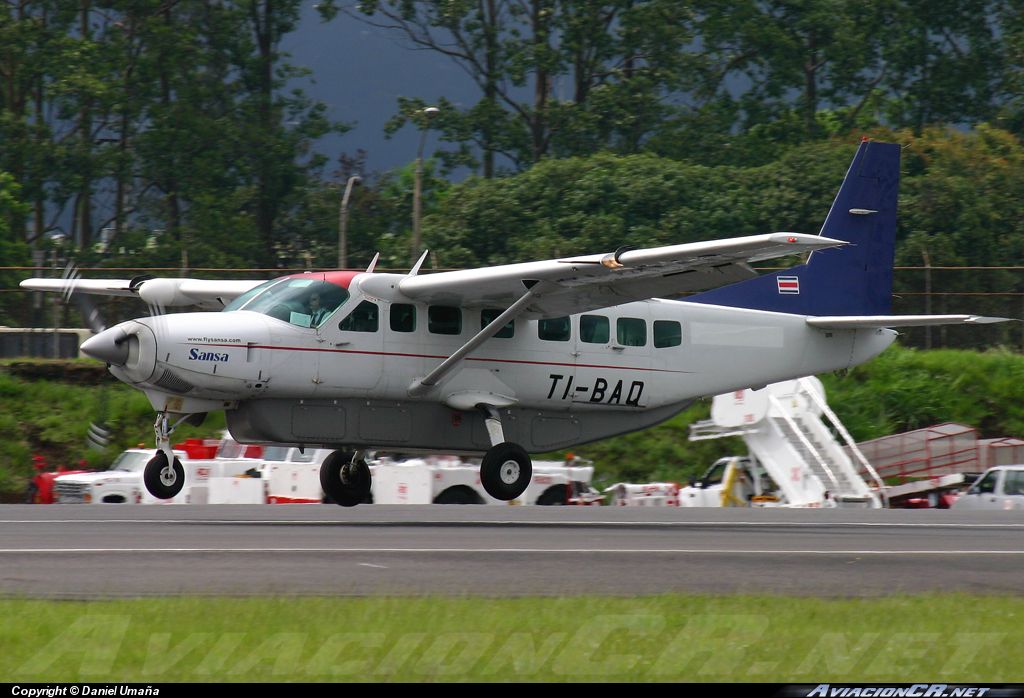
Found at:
[86, 306]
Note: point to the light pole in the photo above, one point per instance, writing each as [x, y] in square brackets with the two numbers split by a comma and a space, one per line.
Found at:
[343, 222]
[427, 114]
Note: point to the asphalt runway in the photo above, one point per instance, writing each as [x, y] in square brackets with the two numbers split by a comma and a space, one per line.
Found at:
[83, 551]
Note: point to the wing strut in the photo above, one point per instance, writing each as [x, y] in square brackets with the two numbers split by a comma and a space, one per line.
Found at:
[421, 386]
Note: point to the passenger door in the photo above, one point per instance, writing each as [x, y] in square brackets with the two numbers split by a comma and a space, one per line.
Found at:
[352, 347]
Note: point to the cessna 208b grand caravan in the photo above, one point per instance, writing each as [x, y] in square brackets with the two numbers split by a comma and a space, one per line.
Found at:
[510, 359]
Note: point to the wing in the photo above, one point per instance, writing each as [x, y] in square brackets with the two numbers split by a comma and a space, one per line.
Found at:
[579, 284]
[165, 292]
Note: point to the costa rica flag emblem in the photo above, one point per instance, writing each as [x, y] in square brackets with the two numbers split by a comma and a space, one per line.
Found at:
[789, 284]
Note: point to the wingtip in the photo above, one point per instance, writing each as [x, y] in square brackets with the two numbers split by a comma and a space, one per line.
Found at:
[985, 320]
[805, 240]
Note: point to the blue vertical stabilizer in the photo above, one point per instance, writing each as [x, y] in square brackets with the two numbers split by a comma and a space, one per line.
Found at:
[852, 280]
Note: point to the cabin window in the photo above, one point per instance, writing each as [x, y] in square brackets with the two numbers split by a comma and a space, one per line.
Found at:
[556, 329]
[489, 315]
[444, 319]
[631, 331]
[594, 329]
[403, 317]
[365, 318]
[667, 333]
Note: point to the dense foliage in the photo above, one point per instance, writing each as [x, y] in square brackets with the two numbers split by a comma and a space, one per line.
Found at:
[176, 134]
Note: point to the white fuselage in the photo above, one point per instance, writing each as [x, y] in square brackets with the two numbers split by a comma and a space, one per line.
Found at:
[630, 357]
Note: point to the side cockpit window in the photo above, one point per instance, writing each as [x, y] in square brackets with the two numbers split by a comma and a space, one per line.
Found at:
[365, 318]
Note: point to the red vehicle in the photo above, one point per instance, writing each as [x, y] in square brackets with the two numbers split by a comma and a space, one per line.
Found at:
[40, 487]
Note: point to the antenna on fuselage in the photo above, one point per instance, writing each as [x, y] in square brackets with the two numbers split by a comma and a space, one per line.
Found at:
[419, 263]
[373, 263]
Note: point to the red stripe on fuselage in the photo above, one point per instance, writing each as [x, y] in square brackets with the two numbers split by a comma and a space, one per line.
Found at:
[442, 357]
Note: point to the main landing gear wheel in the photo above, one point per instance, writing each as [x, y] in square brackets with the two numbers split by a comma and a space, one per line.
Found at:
[505, 471]
[163, 480]
[345, 481]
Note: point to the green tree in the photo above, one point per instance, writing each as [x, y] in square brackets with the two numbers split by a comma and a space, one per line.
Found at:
[140, 116]
[776, 73]
[557, 77]
[13, 250]
[959, 206]
[585, 205]
[379, 215]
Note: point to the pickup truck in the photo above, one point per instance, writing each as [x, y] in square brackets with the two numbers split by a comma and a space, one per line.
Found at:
[121, 483]
[998, 488]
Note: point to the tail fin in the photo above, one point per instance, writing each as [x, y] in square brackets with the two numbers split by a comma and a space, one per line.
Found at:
[852, 280]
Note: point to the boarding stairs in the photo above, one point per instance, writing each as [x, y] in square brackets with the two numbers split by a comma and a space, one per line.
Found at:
[790, 430]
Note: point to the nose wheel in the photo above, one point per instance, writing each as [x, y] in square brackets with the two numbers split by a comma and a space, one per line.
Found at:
[345, 478]
[163, 479]
[164, 476]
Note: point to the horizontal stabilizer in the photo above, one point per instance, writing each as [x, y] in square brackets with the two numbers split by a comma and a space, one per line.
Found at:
[854, 322]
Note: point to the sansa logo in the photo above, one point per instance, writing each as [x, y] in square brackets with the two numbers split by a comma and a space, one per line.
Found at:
[196, 355]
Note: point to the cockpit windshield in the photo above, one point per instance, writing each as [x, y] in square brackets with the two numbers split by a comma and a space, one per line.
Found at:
[305, 301]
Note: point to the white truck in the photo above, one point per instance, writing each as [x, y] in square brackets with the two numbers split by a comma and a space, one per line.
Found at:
[998, 489]
[732, 481]
[122, 482]
[292, 476]
[449, 480]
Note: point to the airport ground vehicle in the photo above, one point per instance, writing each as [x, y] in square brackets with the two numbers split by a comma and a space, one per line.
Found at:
[796, 455]
[999, 488]
[122, 482]
[40, 486]
[800, 455]
[292, 475]
[450, 480]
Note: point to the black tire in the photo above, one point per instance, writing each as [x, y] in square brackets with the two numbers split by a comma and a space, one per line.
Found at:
[349, 491]
[505, 471]
[163, 481]
[460, 494]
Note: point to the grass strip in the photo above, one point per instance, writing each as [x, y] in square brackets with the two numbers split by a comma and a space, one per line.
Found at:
[935, 637]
